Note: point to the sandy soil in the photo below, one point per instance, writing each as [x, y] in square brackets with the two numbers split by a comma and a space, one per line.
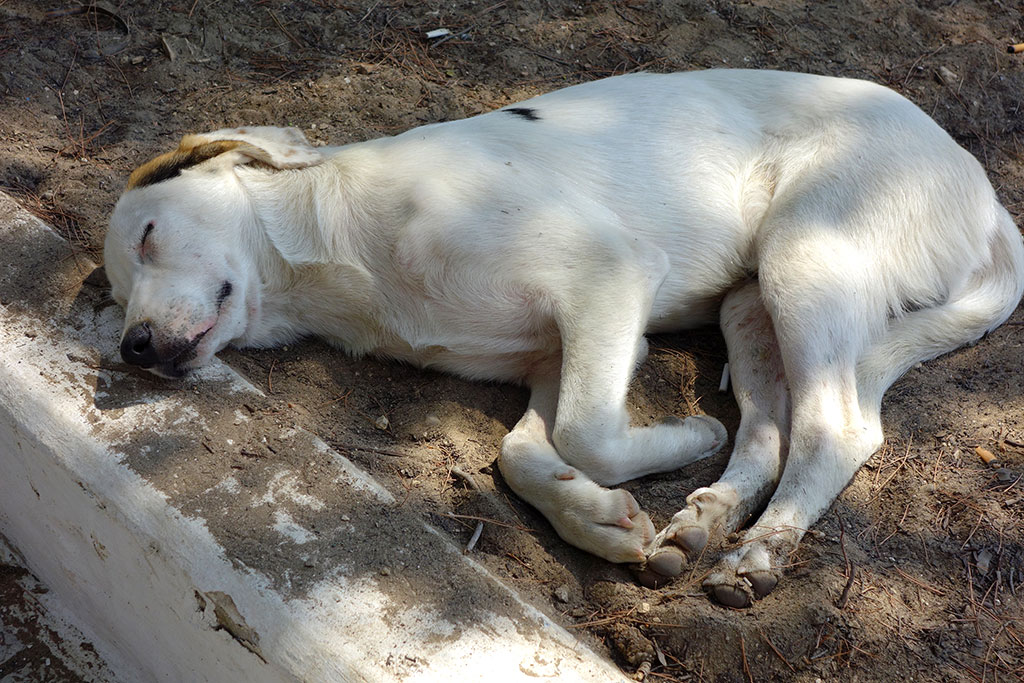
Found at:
[917, 571]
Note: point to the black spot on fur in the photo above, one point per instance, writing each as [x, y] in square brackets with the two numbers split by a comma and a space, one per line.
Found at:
[525, 112]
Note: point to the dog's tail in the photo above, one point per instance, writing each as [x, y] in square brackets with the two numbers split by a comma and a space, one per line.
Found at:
[989, 298]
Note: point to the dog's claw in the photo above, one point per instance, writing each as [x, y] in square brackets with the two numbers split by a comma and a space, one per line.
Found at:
[661, 568]
[649, 578]
[740, 589]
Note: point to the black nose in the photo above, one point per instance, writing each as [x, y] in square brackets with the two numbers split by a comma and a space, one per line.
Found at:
[137, 347]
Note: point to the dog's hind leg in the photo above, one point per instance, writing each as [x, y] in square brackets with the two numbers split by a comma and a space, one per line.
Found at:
[759, 386]
[841, 353]
[826, 305]
[605, 522]
[989, 297]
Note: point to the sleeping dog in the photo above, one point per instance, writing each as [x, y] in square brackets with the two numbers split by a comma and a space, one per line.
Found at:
[837, 234]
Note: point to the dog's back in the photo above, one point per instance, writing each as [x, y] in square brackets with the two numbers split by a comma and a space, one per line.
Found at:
[698, 164]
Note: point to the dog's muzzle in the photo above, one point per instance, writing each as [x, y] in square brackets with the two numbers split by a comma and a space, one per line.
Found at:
[140, 349]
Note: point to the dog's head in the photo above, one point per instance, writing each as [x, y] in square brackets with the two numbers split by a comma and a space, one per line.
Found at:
[177, 248]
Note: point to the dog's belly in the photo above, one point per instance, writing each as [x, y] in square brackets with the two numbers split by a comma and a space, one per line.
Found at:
[511, 338]
[504, 336]
[671, 314]
[503, 367]
[499, 359]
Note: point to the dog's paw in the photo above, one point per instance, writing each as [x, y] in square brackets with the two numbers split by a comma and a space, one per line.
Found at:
[702, 436]
[684, 539]
[748, 574]
[606, 522]
[715, 434]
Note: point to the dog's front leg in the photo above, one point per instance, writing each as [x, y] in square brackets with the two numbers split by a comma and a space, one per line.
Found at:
[607, 523]
[576, 438]
[602, 342]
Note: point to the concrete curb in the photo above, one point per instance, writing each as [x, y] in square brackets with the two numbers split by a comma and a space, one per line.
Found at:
[159, 595]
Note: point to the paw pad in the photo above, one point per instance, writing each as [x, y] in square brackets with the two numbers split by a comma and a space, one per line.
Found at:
[762, 582]
[730, 595]
[661, 567]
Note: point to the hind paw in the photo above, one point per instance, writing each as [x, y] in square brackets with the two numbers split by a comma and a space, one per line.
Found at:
[747, 574]
[686, 536]
[734, 589]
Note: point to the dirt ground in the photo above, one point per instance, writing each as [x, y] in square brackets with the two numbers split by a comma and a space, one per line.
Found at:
[916, 572]
[31, 651]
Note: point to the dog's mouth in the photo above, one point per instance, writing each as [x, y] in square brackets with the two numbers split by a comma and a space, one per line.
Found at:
[175, 366]
[168, 356]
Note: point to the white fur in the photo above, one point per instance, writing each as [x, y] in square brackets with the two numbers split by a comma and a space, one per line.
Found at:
[856, 239]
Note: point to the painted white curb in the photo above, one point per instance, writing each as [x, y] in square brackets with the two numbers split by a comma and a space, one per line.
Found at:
[151, 587]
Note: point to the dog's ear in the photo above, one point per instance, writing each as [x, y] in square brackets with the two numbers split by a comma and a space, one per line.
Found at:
[271, 145]
[275, 147]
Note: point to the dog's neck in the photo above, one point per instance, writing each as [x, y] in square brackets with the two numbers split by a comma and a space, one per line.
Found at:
[301, 237]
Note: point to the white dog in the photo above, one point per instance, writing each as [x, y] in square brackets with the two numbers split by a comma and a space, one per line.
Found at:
[839, 234]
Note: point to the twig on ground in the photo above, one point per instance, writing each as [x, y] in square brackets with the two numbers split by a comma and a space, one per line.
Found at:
[517, 527]
[775, 649]
[378, 451]
[851, 571]
[286, 32]
[917, 582]
[342, 398]
[743, 652]
[475, 537]
[471, 483]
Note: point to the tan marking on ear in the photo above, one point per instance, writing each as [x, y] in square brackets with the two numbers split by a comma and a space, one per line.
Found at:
[193, 150]
[190, 141]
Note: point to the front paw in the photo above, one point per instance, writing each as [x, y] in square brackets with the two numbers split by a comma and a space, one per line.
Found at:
[669, 555]
[606, 522]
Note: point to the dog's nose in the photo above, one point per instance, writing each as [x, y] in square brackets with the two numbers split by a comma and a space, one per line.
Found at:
[137, 347]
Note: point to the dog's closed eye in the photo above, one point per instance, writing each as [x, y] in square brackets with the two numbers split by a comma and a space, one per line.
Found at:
[224, 293]
[145, 235]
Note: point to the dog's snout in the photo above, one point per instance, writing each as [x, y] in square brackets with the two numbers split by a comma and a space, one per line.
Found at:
[137, 346]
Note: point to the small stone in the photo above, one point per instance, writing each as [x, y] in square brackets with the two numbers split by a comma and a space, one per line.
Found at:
[382, 423]
[947, 77]
[983, 560]
[384, 571]
[562, 593]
